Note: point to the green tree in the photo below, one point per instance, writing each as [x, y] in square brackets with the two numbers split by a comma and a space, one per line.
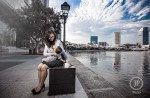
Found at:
[36, 19]
[32, 21]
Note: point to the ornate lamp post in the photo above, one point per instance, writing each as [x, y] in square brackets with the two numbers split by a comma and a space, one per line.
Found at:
[65, 7]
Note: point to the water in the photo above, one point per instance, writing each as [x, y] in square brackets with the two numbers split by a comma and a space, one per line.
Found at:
[118, 68]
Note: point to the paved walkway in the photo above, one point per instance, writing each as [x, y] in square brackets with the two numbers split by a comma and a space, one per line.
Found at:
[17, 82]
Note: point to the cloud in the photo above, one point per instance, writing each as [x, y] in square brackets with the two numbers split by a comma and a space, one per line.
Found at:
[135, 8]
[143, 12]
[103, 17]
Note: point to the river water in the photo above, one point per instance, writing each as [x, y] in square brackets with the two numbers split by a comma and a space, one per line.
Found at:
[128, 72]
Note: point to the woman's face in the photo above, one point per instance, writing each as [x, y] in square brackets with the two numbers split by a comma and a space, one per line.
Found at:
[51, 37]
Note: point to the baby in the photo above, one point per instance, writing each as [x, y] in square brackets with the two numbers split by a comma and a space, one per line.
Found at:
[59, 55]
[51, 58]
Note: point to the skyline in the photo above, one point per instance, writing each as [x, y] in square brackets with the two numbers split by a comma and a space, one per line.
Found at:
[103, 17]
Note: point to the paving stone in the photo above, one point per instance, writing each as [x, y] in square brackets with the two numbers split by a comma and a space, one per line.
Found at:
[17, 82]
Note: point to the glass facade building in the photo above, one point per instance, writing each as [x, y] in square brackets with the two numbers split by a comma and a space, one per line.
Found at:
[103, 44]
[45, 2]
[143, 36]
[94, 39]
[8, 10]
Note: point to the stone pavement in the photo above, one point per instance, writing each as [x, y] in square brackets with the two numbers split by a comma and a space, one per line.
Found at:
[17, 82]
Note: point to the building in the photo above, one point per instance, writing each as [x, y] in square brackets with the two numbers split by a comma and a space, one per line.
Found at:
[8, 9]
[104, 44]
[94, 39]
[143, 36]
[28, 1]
[45, 3]
[117, 39]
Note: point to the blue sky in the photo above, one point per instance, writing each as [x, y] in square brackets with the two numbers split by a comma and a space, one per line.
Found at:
[103, 17]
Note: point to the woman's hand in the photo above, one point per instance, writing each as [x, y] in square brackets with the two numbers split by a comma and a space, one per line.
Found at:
[70, 65]
[64, 61]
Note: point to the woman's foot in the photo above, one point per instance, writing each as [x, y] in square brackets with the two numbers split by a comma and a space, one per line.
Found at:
[38, 90]
[34, 89]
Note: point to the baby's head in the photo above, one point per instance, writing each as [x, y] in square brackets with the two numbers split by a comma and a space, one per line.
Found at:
[58, 50]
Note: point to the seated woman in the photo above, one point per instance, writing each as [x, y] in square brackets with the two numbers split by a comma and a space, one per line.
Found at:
[51, 43]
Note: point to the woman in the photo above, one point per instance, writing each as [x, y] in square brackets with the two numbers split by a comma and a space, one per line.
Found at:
[51, 43]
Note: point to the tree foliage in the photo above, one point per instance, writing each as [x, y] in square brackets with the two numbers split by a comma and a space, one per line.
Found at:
[33, 20]
[36, 19]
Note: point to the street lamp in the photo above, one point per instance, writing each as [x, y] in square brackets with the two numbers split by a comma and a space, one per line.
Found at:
[65, 7]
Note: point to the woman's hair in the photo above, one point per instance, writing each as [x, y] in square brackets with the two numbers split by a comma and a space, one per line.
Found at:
[47, 41]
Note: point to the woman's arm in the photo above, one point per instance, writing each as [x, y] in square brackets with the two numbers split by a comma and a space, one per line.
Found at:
[61, 45]
[63, 51]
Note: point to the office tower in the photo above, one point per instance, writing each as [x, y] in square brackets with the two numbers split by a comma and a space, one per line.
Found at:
[143, 36]
[117, 39]
[103, 44]
[94, 39]
[45, 2]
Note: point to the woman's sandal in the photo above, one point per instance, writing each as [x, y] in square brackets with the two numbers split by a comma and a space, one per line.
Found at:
[71, 66]
[42, 89]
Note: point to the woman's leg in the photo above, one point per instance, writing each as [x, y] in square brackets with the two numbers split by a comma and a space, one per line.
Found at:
[42, 74]
[39, 74]
[39, 71]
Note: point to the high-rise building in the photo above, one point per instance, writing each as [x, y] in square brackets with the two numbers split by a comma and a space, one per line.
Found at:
[143, 36]
[103, 44]
[117, 39]
[94, 39]
[45, 2]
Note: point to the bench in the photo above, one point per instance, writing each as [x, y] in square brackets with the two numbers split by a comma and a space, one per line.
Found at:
[61, 80]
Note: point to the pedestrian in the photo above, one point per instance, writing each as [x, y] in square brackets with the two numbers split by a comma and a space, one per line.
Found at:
[50, 43]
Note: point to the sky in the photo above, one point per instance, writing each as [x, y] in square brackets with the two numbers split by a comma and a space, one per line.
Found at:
[103, 17]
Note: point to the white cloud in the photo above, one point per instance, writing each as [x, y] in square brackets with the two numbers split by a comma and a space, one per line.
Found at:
[143, 12]
[92, 17]
[137, 7]
[128, 4]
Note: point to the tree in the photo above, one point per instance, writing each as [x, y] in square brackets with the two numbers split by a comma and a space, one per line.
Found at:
[33, 20]
[127, 45]
[36, 19]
